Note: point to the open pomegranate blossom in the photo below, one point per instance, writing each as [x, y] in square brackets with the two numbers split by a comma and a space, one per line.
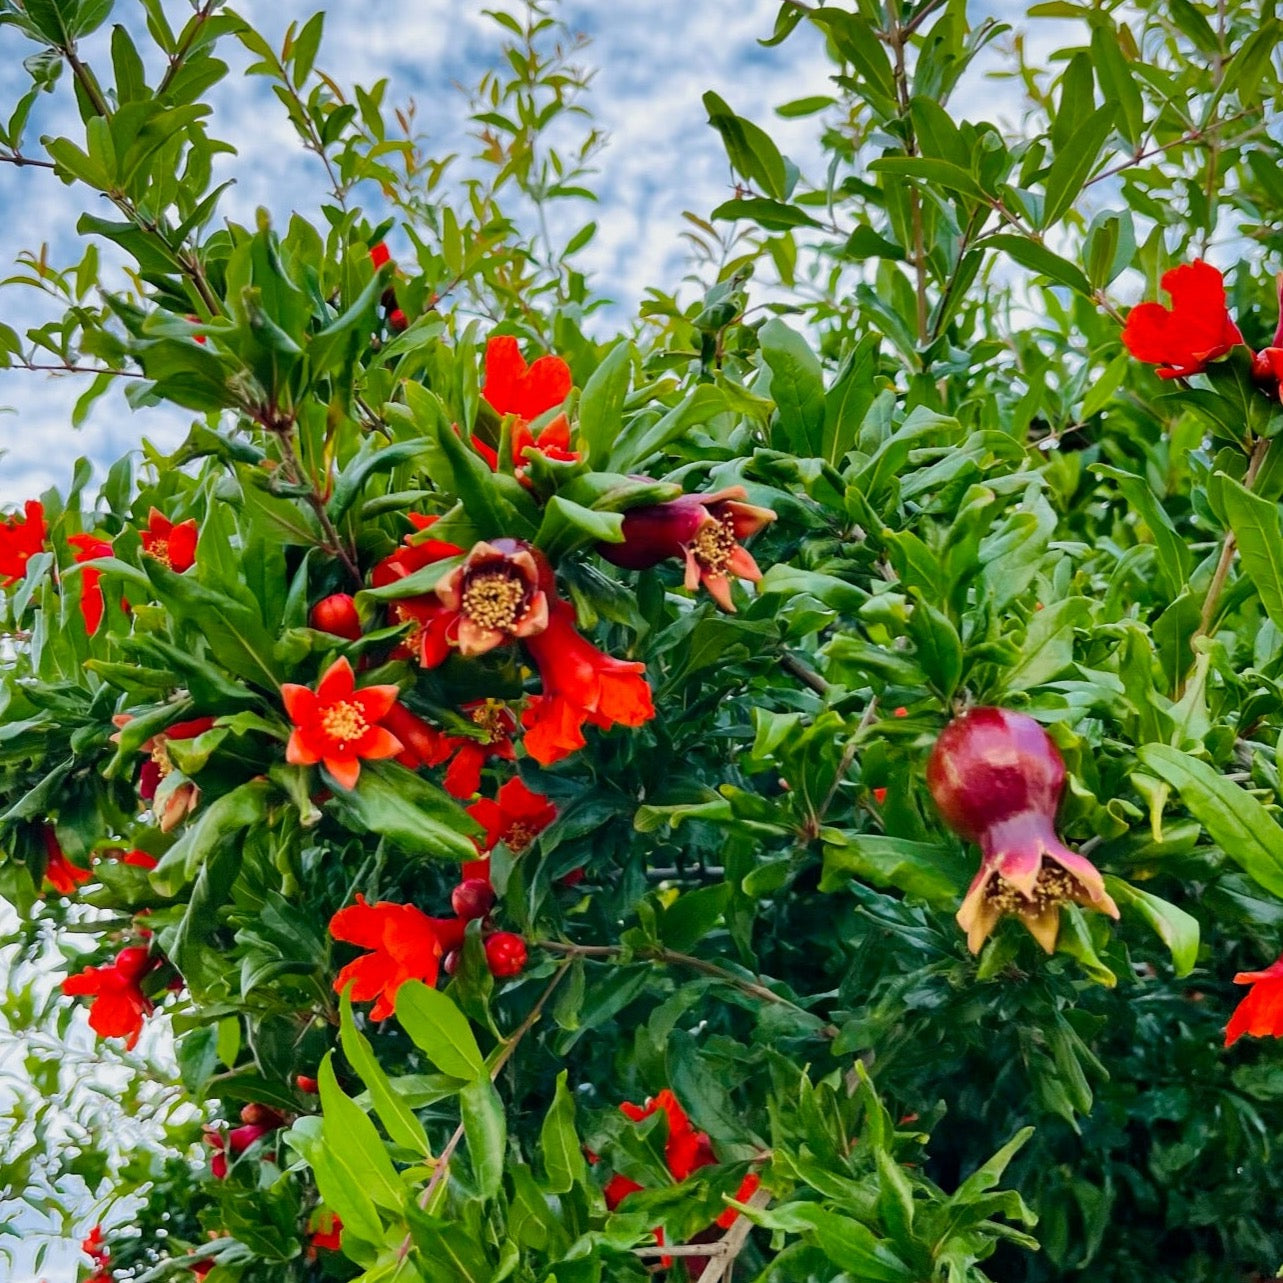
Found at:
[996, 778]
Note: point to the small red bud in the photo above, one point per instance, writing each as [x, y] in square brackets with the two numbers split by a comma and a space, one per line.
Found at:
[397, 320]
[902, 711]
[879, 796]
[505, 954]
[472, 898]
[379, 254]
[451, 961]
[260, 1115]
[574, 877]
[337, 615]
[306, 1084]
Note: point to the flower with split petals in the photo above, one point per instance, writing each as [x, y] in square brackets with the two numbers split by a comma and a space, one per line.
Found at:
[1196, 330]
[704, 531]
[1261, 1012]
[171, 799]
[997, 778]
[423, 744]
[580, 685]
[20, 539]
[338, 725]
[174, 546]
[495, 597]
[60, 873]
[119, 1003]
[511, 387]
[516, 816]
[496, 724]
[92, 606]
[404, 943]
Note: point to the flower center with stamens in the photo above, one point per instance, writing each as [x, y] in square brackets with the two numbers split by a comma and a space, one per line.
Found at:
[713, 544]
[1054, 886]
[344, 722]
[160, 551]
[489, 717]
[160, 755]
[493, 599]
[518, 836]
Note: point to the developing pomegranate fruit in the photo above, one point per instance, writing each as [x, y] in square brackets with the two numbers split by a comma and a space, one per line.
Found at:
[472, 898]
[505, 954]
[997, 778]
[337, 614]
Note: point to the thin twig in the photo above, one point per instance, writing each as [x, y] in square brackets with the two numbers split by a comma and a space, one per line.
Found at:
[21, 162]
[443, 1159]
[733, 1241]
[803, 672]
[670, 957]
[76, 369]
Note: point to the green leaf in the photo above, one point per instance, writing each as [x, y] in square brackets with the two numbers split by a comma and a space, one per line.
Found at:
[752, 151]
[1073, 163]
[939, 648]
[439, 1029]
[1177, 929]
[1233, 818]
[941, 172]
[1048, 647]
[938, 874]
[1259, 535]
[216, 821]
[563, 1155]
[1117, 84]
[1173, 552]
[1038, 258]
[797, 387]
[485, 1128]
[773, 215]
[567, 526]
[693, 915]
[351, 1141]
[601, 404]
[417, 815]
[399, 1121]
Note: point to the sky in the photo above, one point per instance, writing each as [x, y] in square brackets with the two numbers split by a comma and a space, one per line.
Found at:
[655, 59]
[663, 158]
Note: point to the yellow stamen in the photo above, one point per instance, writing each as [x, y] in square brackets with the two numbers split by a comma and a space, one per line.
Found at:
[344, 723]
[493, 599]
[713, 545]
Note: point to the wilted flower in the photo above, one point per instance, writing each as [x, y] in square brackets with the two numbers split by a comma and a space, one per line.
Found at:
[495, 597]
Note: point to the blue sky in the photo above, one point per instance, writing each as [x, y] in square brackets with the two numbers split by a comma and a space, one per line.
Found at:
[663, 158]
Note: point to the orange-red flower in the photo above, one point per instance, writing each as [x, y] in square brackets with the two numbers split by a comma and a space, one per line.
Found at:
[1195, 330]
[516, 816]
[119, 1003]
[424, 744]
[405, 944]
[1261, 1012]
[172, 545]
[326, 1235]
[90, 548]
[496, 722]
[60, 873]
[413, 554]
[338, 725]
[20, 539]
[580, 684]
[706, 531]
[685, 1152]
[139, 860]
[512, 387]
[379, 254]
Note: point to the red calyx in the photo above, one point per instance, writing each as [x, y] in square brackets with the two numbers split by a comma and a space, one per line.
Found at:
[472, 898]
[337, 615]
[997, 778]
[505, 954]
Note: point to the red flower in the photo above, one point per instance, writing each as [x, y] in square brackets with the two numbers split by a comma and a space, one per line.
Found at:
[60, 873]
[1196, 329]
[505, 954]
[513, 388]
[90, 548]
[424, 745]
[336, 614]
[413, 554]
[172, 545]
[703, 530]
[406, 944]
[495, 597]
[119, 1003]
[879, 796]
[257, 1121]
[379, 254]
[580, 684]
[93, 1248]
[307, 1084]
[1261, 1012]
[493, 717]
[323, 1238]
[339, 725]
[20, 539]
[398, 321]
[139, 860]
[515, 817]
